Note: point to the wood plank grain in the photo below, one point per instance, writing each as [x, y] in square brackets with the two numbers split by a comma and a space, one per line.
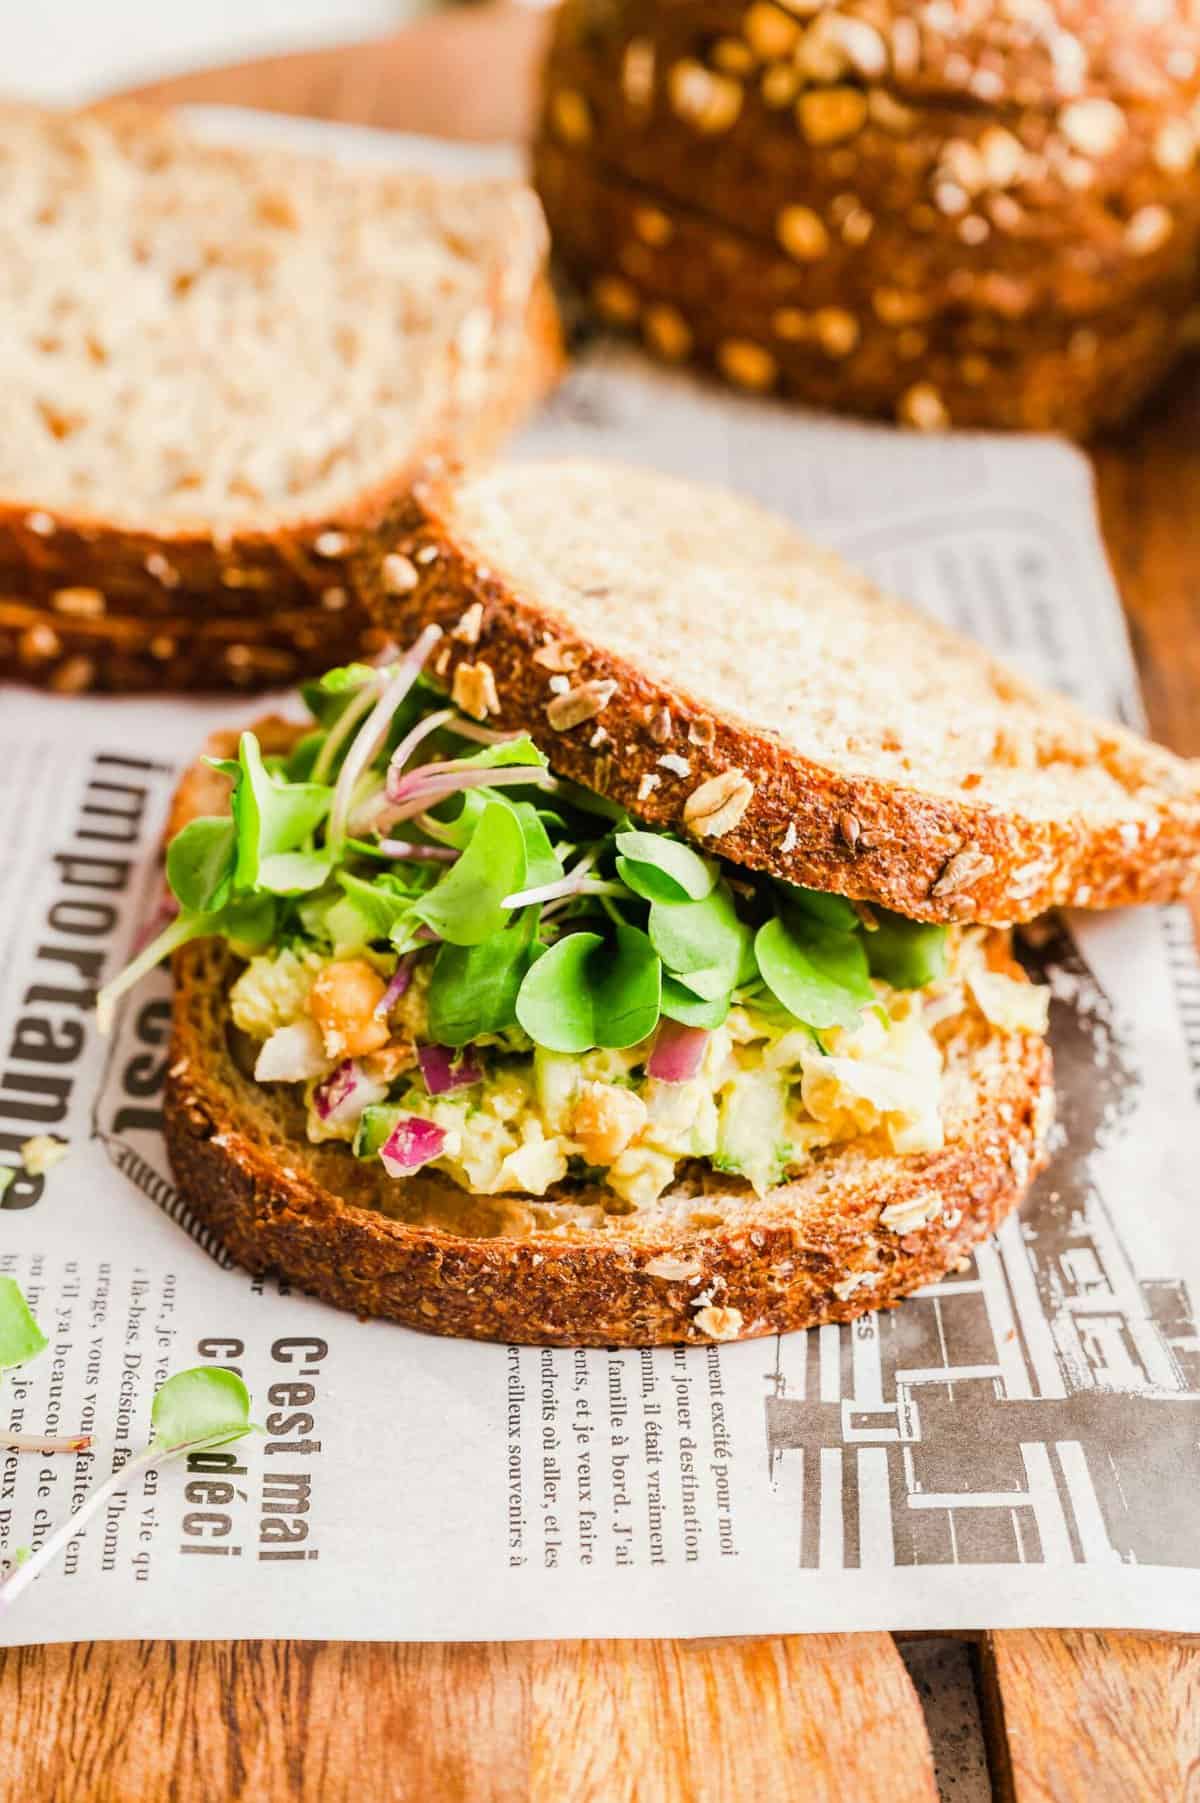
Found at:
[821, 1719]
[466, 74]
[1092, 1718]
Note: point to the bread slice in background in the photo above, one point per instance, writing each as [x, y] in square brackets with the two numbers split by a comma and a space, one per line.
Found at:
[700, 291]
[923, 168]
[224, 363]
[711, 1260]
[694, 657]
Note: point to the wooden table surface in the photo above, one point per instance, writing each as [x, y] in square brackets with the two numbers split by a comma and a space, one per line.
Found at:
[1071, 1717]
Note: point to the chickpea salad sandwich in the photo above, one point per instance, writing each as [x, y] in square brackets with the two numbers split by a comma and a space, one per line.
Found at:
[624, 959]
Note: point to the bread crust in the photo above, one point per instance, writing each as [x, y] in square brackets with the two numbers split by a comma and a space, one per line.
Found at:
[972, 53]
[897, 169]
[712, 296]
[72, 654]
[951, 205]
[927, 856]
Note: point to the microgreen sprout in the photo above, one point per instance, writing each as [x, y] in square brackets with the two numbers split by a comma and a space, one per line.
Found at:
[400, 679]
[194, 1411]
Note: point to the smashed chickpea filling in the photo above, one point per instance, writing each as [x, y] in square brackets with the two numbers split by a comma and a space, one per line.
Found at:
[766, 1093]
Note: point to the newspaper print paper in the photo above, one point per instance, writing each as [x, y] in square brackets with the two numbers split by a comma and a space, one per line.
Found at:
[1017, 1445]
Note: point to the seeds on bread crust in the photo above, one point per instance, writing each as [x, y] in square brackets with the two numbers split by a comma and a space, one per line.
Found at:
[583, 702]
[961, 870]
[717, 806]
[474, 690]
[400, 575]
[719, 1323]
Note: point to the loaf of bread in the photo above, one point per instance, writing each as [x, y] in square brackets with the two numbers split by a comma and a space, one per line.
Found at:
[698, 290]
[224, 363]
[905, 164]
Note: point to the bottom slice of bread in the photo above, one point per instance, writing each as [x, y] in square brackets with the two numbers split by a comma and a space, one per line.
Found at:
[859, 1229]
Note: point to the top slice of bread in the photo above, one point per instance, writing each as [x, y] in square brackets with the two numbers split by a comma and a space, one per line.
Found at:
[695, 658]
[215, 347]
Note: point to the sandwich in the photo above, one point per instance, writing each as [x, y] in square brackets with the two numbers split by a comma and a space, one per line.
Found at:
[626, 959]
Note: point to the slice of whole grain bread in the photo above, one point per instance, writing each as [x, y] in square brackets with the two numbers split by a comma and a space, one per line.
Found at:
[695, 658]
[711, 1260]
[223, 364]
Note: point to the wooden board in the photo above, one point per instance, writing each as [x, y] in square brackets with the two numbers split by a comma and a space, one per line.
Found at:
[1074, 1718]
[1092, 1718]
[807, 1719]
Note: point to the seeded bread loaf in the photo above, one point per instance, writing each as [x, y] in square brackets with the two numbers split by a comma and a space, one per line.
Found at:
[939, 162]
[695, 658]
[710, 1261]
[701, 292]
[949, 206]
[266, 344]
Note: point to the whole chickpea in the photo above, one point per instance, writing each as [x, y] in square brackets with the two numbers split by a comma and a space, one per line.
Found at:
[342, 1001]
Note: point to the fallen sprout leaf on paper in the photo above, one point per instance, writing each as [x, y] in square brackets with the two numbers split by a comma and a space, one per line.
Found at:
[194, 1411]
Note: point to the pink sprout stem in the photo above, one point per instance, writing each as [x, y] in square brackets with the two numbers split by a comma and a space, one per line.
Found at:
[45, 1442]
[420, 791]
[372, 733]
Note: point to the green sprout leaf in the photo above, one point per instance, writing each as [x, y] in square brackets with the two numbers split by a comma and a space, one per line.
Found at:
[819, 976]
[200, 863]
[193, 1411]
[660, 869]
[294, 872]
[465, 907]
[682, 1004]
[542, 863]
[326, 698]
[303, 755]
[270, 816]
[206, 1404]
[628, 994]
[21, 1339]
[586, 991]
[905, 953]
[555, 1004]
[702, 942]
[504, 755]
[474, 988]
[832, 912]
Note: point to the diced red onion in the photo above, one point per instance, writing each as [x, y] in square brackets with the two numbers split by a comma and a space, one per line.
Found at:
[401, 978]
[341, 1096]
[412, 1142]
[446, 1067]
[677, 1053]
